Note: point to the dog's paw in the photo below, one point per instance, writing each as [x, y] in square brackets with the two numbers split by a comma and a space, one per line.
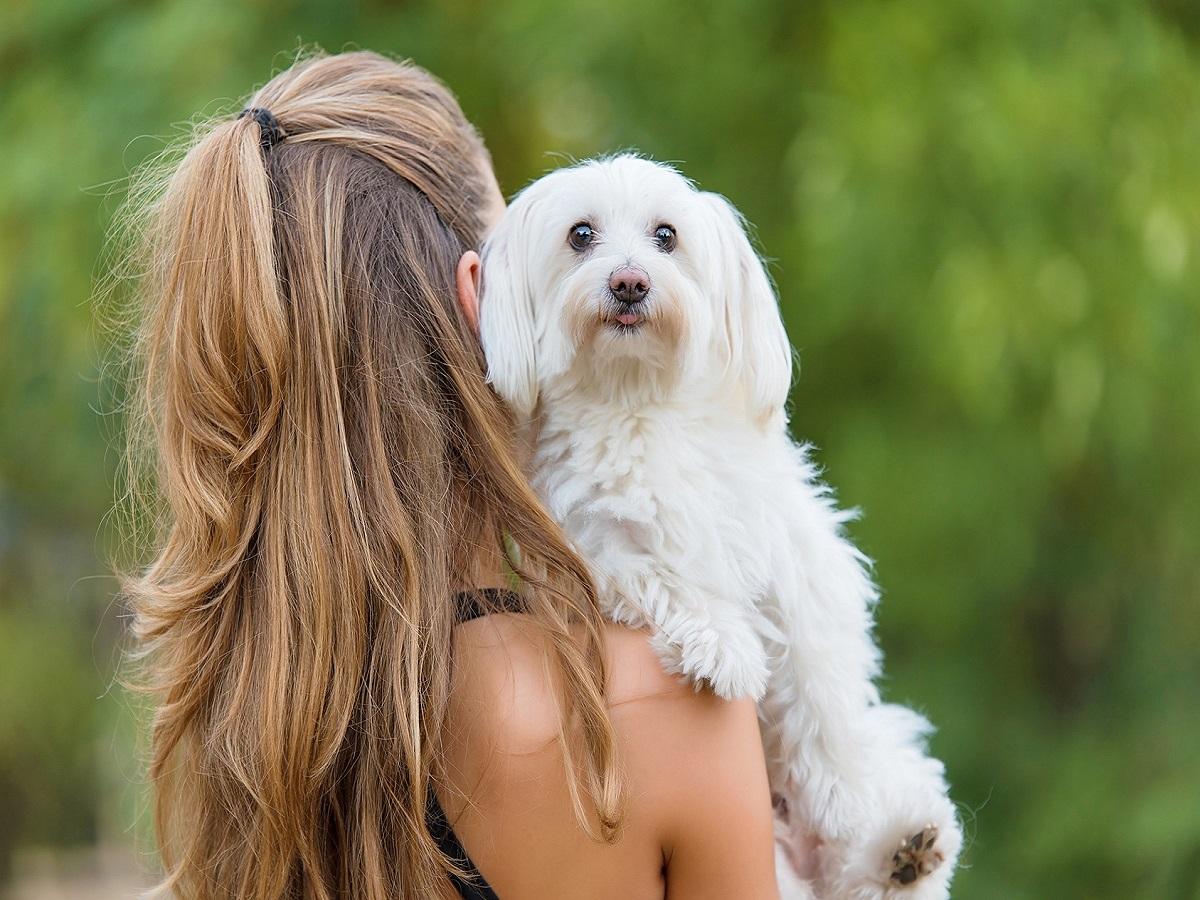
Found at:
[909, 862]
[916, 857]
[729, 663]
[736, 676]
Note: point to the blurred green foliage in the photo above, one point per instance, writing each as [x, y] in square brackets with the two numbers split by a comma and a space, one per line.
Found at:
[983, 218]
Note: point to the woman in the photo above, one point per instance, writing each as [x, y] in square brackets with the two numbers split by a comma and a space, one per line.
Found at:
[327, 623]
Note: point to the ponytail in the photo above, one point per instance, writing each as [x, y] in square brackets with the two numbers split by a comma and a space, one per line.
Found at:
[218, 364]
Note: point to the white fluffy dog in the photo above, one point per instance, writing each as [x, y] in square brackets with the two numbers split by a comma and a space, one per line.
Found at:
[629, 323]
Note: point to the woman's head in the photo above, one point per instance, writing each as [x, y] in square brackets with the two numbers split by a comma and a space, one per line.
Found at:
[332, 468]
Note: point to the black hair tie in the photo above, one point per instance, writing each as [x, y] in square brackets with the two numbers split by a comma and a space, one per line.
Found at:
[270, 131]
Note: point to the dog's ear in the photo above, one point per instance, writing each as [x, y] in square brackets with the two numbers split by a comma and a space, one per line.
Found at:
[506, 326]
[759, 354]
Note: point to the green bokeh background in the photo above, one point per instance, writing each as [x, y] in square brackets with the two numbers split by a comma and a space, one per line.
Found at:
[983, 221]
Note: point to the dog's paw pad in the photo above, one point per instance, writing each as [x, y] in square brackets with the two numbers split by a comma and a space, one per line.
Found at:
[916, 856]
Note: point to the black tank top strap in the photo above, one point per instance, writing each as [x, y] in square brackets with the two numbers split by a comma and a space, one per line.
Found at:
[468, 605]
[482, 601]
[473, 887]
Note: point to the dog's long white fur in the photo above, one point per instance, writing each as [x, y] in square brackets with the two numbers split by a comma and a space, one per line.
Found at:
[663, 450]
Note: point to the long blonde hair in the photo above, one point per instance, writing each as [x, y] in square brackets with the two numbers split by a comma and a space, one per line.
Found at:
[328, 462]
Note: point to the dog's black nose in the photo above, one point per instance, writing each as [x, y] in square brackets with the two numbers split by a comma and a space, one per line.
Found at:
[629, 284]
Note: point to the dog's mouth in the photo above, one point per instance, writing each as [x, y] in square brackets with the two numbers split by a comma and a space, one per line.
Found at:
[628, 319]
[625, 318]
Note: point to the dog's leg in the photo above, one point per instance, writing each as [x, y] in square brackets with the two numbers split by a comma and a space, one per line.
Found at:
[852, 768]
[702, 637]
[721, 649]
[910, 845]
[859, 775]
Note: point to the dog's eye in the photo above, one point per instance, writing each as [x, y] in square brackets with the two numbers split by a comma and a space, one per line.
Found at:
[581, 236]
[664, 236]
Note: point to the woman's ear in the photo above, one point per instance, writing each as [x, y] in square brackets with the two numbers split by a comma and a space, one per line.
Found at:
[506, 326]
[759, 354]
[466, 280]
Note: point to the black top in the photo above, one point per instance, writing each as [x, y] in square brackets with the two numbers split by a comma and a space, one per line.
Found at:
[473, 887]
[471, 605]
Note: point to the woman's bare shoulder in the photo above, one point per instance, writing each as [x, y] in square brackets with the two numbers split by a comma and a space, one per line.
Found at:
[502, 687]
[693, 763]
[502, 671]
[505, 694]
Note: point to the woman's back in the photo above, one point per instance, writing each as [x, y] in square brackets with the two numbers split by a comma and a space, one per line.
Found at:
[698, 818]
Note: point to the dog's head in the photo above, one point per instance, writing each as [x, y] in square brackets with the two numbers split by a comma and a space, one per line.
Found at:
[621, 265]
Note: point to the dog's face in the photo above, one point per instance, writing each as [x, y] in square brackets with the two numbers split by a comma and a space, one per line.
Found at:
[618, 267]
